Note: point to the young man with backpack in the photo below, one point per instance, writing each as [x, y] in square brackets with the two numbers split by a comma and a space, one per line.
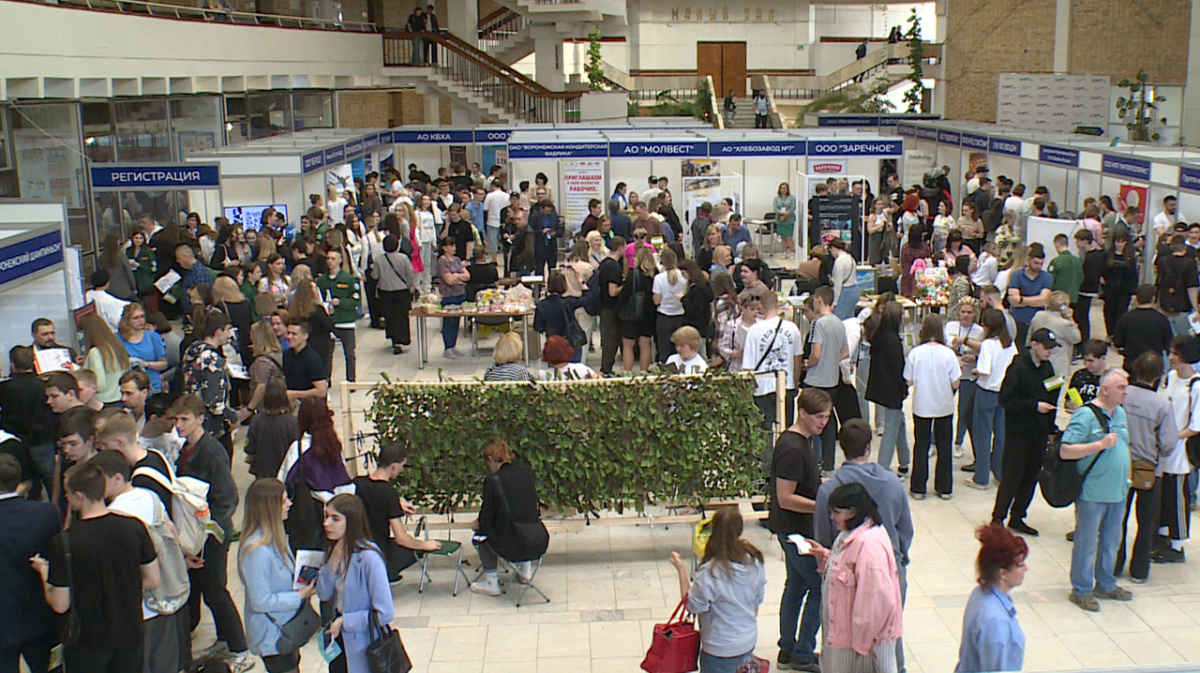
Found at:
[204, 458]
[1177, 284]
[168, 643]
[1098, 438]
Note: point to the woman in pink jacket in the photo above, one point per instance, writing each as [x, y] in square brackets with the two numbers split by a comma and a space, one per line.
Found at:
[861, 618]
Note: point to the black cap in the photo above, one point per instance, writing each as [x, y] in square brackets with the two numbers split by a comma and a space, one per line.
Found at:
[1046, 338]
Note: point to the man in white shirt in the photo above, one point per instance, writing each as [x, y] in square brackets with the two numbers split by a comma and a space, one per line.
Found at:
[1016, 201]
[773, 344]
[1165, 220]
[108, 306]
[824, 371]
[653, 191]
[987, 268]
[496, 201]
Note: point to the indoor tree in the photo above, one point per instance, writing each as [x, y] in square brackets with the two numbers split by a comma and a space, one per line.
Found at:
[914, 97]
[1137, 110]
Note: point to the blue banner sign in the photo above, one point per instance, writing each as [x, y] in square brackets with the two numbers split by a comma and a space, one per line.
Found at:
[949, 137]
[564, 150]
[1189, 178]
[179, 176]
[1002, 146]
[926, 134]
[848, 120]
[751, 148]
[855, 148]
[335, 155]
[434, 137]
[313, 162]
[30, 256]
[888, 121]
[354, 148]
[906, 130]
[1059, 155]
[682, 148]
[1138, 169]
[974, 142]
[492, 136]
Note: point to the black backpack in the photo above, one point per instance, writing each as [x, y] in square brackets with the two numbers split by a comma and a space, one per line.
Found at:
[1060, 479]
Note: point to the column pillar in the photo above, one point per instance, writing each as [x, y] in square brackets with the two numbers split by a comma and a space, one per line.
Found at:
[1062, 35]
[548, 61]
[461, 19]
[1191, 89]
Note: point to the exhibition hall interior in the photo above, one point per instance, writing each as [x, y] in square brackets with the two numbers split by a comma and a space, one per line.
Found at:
[599, 336]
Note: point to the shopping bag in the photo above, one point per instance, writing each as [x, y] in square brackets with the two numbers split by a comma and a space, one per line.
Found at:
[676, 644]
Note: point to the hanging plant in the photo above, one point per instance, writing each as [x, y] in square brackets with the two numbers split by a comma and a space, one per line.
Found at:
[1137, 110]
[914, 97]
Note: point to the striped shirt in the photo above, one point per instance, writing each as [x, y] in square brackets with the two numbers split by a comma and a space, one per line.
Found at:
[510, 371]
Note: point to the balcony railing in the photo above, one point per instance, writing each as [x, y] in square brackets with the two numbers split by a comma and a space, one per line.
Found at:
[475, 71]
[219, 11]
[499, 26]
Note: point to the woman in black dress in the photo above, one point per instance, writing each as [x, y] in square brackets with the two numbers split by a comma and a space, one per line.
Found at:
[638, 326]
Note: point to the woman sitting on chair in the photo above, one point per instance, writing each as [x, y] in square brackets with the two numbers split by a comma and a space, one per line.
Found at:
[509, 524]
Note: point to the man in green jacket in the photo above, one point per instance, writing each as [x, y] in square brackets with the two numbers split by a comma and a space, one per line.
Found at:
[1066, 269]
[340, 292]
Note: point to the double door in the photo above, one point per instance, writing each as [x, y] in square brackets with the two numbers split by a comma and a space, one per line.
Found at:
[726, 63]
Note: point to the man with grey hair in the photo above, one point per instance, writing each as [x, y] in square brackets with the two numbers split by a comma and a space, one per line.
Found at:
[1098, 438]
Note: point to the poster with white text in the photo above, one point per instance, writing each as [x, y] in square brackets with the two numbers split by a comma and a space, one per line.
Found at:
[583, 180]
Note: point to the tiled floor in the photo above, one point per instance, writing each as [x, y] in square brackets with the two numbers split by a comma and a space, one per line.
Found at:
[609, 585]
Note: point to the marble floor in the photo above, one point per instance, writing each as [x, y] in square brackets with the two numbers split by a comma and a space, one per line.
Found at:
[609, 585]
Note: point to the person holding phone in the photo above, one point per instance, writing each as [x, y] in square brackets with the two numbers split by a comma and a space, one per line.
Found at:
[267, 567]
[354, 577]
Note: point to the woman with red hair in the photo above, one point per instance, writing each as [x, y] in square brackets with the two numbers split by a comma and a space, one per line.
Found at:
[992, 639]
[557, 354]
[313, 463]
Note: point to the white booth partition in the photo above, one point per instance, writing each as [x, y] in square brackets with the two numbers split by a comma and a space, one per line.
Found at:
[39, 273]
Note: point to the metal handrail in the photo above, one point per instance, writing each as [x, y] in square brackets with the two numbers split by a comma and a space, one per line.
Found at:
[184, 13]
[474, 70]
[501, 26]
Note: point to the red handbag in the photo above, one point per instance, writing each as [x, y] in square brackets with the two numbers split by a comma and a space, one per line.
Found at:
[676, 644]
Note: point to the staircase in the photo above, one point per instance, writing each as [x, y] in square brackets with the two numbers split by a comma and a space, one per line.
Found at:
[505, 36]
[463, 71]
[568, 11]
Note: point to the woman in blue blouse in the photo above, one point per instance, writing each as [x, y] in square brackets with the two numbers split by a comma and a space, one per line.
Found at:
[992, 639]
[355, 579]
[145, 347]
[267, 567]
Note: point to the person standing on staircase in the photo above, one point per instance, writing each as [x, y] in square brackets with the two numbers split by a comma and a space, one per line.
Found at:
[431, 25]
[416, 24]
[762, 119]
[730, 108]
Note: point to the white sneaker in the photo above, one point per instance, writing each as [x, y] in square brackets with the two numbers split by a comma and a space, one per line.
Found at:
[879, 431]
[450, 354]
[524, 571]
[241, 662]
[958, 451]
[486, 586]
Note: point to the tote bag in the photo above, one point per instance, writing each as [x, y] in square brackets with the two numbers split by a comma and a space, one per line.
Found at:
[676, 644]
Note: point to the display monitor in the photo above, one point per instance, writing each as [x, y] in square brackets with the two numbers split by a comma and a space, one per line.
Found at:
[250, 217]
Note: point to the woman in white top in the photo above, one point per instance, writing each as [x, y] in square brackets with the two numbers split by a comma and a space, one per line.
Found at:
[996, 352]
[335, 205]
[932, 370]
[845, 281]
[557, 354]
[878, 223]
[942, 224]
[427, 228]
[960, 335]
[669, 287]
[987, 267]
[1173, 466]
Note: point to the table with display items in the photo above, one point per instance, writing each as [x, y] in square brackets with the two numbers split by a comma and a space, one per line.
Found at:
[423, 314]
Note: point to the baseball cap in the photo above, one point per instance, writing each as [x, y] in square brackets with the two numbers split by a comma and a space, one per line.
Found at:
[1046, 338]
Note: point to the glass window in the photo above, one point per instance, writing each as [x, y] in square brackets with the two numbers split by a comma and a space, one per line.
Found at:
[196, 122]
[270, 114]
[237, 129]
[99, 140]
[143, 133]
[313, 110]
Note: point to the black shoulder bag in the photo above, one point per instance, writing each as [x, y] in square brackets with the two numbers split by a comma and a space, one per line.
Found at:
[634, 306]
[531, 535]
[386, 653]
[575, 334]
[1060, 480]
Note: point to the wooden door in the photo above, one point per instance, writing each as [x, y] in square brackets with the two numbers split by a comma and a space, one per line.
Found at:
[733, 69]
[709, 59]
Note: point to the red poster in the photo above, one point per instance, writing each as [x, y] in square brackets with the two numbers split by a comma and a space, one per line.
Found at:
[1133, 196]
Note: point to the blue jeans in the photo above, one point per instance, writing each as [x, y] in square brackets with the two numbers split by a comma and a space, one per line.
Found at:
[1098, 528]
[847, 304]
[895, 437]
[450, 325]
[42, 456]
[714, 664]
[966, 410]
[1179, 323]
[802, 580]
[987, 434]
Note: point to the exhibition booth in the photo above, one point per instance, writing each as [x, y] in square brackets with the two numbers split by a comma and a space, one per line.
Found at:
[1072, 167]
[39, 273]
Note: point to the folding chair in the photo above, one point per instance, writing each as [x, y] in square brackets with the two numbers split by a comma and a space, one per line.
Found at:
[536, 565]
[450, 548]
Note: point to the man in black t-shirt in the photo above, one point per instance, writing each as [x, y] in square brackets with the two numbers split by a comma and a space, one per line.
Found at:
[1141, 329]
[303, 369]
[1177, 285]
[794, 481]
[119, 433]
[609, 275]
[460, 230]
[112, 562]
[386, 511]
